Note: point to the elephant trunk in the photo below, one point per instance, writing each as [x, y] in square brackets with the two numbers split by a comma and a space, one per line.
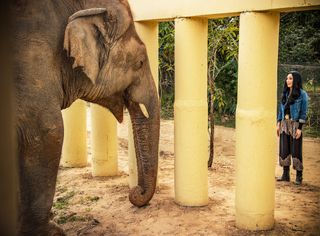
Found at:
[146, 141]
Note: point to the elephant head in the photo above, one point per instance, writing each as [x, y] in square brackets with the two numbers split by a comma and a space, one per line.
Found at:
[105, 47]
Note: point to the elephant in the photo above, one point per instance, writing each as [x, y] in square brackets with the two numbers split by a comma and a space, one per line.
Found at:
[76, 49]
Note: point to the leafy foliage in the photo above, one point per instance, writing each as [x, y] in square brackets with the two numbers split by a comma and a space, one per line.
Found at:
[223, 38]
[300, 38]
[166, 68]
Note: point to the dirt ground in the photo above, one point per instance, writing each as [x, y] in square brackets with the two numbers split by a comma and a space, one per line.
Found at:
[86, 205]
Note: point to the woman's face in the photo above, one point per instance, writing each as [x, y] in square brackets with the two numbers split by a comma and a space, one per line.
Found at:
[289, 80]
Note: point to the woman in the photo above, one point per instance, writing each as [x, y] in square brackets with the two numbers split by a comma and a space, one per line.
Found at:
[292, 115]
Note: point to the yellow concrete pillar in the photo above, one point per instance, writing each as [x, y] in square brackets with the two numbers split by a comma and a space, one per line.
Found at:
[191, 112]
[104, 142]
[255, 120]
[74, 150]
[148, 32]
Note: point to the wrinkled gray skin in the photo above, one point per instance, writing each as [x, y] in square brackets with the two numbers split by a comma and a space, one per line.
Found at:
[97, 56]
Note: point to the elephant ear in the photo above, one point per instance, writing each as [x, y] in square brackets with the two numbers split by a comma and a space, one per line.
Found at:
[90, 35]
[80, 43]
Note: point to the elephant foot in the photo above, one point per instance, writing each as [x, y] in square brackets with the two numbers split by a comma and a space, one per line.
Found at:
[51, 229]
[54, 230]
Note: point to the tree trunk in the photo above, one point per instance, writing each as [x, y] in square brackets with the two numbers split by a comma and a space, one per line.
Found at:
[211, 110]
[211, 128]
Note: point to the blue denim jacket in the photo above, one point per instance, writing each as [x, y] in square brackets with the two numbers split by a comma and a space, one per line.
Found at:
[298, 110]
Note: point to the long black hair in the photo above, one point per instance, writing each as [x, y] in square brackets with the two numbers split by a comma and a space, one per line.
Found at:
[296, 86]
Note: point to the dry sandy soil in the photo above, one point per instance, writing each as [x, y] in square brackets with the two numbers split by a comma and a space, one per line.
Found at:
[86, 205]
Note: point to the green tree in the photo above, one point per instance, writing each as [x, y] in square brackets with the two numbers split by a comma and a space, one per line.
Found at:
[300, 38]
[223, 38]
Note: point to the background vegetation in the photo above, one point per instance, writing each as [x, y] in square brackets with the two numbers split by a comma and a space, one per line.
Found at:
[299, 49]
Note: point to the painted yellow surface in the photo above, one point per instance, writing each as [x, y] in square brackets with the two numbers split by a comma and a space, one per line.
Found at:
[255, 120]
[190, 112]
[148, 33]
[74, 150]
[104, 142]
[167, 9]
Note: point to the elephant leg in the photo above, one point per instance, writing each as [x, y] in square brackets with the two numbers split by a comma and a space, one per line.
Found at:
[39, 163]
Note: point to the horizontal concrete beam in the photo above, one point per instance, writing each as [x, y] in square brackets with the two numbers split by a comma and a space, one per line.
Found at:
[161, 10]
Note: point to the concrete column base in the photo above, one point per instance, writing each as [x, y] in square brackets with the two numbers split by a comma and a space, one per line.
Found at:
[251, 221]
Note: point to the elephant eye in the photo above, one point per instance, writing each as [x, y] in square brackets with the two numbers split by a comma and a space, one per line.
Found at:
[139, 65]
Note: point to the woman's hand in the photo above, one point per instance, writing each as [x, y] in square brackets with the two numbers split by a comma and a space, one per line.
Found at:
[298, 133]
[278, 129]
